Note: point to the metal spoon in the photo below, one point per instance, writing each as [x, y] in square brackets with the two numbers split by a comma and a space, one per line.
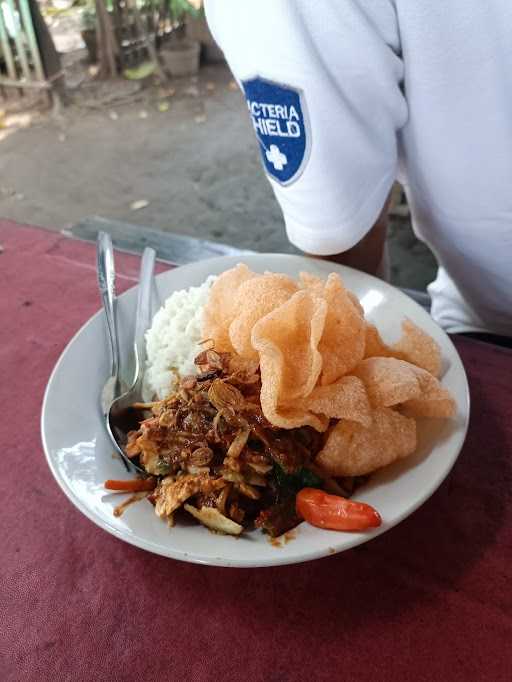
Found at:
[106, 283]
[122, 417]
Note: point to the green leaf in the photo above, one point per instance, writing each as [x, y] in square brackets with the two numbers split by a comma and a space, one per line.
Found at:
[292, 483]
[310, 479]
[181, 7]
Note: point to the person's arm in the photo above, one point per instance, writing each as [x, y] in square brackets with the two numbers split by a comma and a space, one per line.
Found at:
[322, 83]
[368, 254]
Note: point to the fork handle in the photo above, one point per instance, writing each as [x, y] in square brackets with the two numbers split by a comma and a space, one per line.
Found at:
[106, 282]
[144, 310]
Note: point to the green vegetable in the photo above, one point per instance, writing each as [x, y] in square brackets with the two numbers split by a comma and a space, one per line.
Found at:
[292, 483]
[310, 480]
[162, 467]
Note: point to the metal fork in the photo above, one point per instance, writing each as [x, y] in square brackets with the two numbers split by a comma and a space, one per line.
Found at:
[121, 416]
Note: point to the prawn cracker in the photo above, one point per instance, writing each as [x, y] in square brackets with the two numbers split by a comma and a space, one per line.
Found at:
[254, 299]
[343, 341]
[374, 345]
[435, 400]
[220, 310]
[345, 399]
[418, 347]
[388, 381]
[287, 340]
[354, 450]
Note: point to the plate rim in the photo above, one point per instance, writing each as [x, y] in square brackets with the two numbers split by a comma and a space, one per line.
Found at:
[194, 557]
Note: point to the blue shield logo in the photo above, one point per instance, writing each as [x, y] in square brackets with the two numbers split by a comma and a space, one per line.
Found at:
[278, 116]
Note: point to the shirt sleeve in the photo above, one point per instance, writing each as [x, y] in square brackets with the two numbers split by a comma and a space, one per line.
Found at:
[323, 85]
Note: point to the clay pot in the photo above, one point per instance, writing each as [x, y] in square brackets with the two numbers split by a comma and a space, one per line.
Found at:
[181, 58]
[197, 29]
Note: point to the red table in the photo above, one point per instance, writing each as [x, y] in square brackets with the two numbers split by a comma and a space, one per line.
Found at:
[430, 600]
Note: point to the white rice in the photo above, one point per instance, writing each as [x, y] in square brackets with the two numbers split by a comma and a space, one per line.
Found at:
[172, 341]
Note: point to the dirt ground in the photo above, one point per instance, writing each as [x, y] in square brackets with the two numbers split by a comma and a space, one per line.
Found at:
[181, 158]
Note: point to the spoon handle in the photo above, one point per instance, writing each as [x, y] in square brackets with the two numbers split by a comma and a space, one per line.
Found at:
[106, 282]
[143, 314]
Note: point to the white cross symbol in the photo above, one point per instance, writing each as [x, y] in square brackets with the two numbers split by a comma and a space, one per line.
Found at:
[276, 158]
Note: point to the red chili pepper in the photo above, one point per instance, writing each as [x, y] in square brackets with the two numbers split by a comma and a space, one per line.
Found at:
[336, 513]
[133, 486]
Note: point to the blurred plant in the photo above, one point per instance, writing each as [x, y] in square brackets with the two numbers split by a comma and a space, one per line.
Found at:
[178, 10]
[88, 17]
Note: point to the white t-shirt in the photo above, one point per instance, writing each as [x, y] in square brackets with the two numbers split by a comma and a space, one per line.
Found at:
[348, 95]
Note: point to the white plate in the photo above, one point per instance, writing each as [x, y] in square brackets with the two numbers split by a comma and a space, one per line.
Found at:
[79, 452]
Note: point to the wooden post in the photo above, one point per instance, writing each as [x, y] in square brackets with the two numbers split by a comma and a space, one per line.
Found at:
[6, 48]
[31, 38]
[50, 58]
[20, 47]
[108, 48]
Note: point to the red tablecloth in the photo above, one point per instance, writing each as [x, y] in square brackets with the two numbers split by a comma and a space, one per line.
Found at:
[429, 600]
